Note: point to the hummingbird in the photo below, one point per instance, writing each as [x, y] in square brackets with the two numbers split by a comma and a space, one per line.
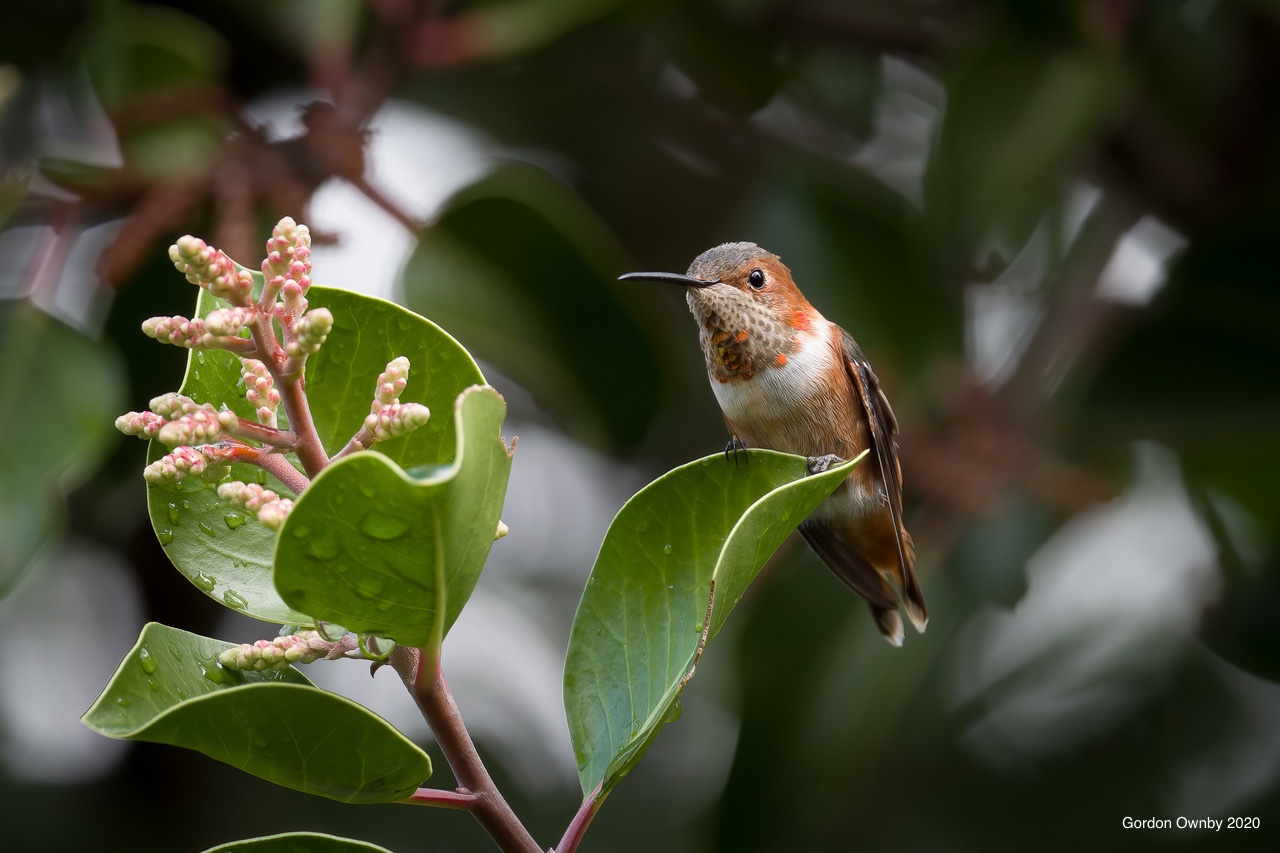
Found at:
[788, 379]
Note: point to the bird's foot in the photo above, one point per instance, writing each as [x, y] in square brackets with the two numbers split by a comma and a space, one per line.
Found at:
[735, 446]
[819, 464]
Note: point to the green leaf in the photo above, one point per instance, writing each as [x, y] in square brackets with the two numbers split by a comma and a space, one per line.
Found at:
[59, 395]
[298, 842]
[225, 552]
[637, 632]
[380, 550]
[276, 725]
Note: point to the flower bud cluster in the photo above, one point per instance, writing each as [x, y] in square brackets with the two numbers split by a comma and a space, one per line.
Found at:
[287, 266]
[173, 405]
[177, 330]
[388, 417]
[199, 427]
[276, 654]
[141, 424]
[391, 382]
[396, 419]
[260, 390]
[211, 269]
[185, 462]
[270, 508]
[229, 321]
[309, 332]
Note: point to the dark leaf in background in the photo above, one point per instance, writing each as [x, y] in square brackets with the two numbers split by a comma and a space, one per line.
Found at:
[520, 269]
[59, 397]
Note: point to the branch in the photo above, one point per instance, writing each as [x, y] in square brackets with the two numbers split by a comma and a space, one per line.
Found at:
[460, 799]
[421, 673]
[273, 463]
[308, 446]
[280, 468]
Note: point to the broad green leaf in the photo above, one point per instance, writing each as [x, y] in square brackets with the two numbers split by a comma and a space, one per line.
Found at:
[225, 552]
[298, 842]
[170, 689]
[380, 550]
[638, 628]
[58, 397]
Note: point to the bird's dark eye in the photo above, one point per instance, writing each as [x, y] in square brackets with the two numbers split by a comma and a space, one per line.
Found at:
[756, 279]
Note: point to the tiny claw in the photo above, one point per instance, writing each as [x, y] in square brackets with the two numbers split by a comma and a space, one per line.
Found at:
[819, 464]
[734, 446]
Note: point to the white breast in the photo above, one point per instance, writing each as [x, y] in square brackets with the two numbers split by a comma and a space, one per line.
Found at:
[776, 394]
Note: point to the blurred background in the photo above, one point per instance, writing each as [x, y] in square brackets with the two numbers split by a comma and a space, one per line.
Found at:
[1051, 225]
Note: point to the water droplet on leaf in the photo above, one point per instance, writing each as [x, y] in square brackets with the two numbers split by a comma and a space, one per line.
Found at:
[205, 528]
[122, 702]
[204, 582]
[164, 536]
[331, 631]
[323, 547]
[216, 673]
[376, 646]
[368, 586]
[148, 662]
[381, 526]
[666, 549]
[233, 521]
[233, 599]
[174, 514]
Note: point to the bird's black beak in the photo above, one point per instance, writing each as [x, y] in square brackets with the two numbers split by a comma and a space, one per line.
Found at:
[668, 277]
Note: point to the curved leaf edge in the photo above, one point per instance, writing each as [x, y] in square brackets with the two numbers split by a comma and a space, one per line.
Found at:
[419, 476]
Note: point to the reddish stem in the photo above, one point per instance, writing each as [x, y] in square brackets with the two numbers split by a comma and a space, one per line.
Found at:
[578, 826]
[307, 444]
[280, 439]
[271, 462]
[460, 799]
[421, 673]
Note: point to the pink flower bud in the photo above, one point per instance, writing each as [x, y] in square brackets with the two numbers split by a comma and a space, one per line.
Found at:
[390, 383]
[396, 419]
[229, 321]
[141, 424]
[198, 427]
[273, 515]
[173, 404]
[211, 269]
[181, 463]
[310, 332]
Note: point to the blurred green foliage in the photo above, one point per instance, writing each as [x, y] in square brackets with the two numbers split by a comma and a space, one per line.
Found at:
[953, 182]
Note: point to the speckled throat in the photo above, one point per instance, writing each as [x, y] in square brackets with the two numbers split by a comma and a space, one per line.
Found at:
[740, 336]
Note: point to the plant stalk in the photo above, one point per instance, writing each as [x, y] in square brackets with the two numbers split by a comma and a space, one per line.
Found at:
[426, 682]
